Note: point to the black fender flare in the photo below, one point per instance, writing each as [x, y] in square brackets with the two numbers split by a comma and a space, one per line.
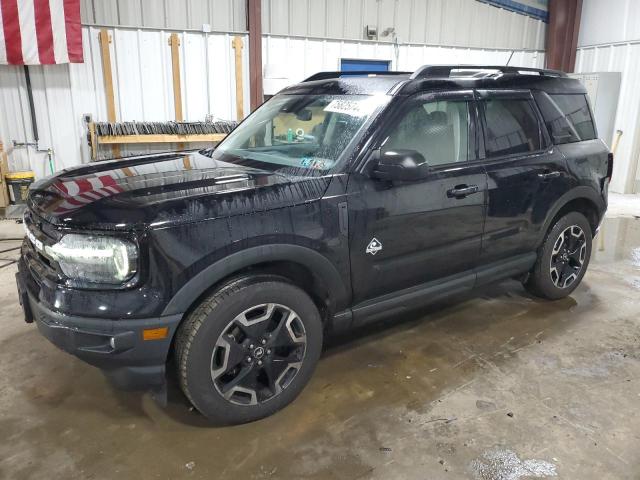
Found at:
[311, 259]
[582, 192]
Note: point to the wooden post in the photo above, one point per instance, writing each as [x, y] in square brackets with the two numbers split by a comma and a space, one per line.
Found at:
[174, 43]
[237, 46]
[107, 75]
[254, 25]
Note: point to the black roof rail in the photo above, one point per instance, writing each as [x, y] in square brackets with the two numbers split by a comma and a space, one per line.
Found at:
[355, 73]
[440, 71]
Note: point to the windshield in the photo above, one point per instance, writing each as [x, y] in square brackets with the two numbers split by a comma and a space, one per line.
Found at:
[300, 134]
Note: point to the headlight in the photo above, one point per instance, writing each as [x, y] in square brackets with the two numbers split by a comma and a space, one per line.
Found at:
[95, 259]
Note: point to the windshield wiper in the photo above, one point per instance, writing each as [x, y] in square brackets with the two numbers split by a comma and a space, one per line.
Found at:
[264, 171]
[207, 152]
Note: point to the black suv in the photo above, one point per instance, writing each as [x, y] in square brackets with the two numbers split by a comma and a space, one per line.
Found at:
[344, 198]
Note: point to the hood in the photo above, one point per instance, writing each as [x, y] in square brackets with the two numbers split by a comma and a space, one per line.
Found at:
[161, 190]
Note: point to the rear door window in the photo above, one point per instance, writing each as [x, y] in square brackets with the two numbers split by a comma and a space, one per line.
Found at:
[511, 127]
[567, 117]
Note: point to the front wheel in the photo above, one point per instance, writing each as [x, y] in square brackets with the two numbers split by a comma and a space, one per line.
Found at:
[562, 259]
[248, 349]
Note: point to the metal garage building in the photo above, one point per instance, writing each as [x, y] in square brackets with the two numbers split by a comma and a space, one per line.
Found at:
[299, 38]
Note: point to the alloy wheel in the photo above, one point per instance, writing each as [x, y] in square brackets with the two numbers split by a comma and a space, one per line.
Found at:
[568, 256]
[258, 354]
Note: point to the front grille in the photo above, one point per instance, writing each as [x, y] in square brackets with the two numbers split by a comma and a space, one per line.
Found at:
[40, 266]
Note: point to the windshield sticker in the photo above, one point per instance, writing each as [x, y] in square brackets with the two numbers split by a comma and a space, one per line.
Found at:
[347, 107]
[315, 163]
[355, 108]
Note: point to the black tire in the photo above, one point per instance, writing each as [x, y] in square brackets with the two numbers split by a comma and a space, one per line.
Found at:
[555, 256]
[200, 346]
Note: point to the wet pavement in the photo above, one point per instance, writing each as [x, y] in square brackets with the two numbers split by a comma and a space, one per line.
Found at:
[492, 385]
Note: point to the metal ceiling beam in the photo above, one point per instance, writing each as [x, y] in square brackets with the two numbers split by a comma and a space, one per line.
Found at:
[562, 34]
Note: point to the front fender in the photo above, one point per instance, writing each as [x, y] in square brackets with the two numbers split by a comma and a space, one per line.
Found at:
[311, 259]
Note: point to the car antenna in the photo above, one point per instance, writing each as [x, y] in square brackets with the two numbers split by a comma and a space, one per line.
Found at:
[510, 57]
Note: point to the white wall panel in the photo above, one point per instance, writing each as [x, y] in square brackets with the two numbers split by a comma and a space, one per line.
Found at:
[439, 22]
[623, 58]
[127, 74]
[106, 11]
[609, 21]
[14, 116]
[301, 57]
[130, 11]
[298, 17]
[353, 19]
[222, 15]
[197, 14]
[175, 13]
[336, 12]
[153, 15]
[194, 74]
[141, 62]
[416, 25]
[155, 77]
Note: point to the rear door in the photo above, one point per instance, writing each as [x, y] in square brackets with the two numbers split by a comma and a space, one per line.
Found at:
[404, 234]
[526, 174]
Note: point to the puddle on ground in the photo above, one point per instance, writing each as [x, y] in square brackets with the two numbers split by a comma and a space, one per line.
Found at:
[617, 241]
[412, 390]
[504, 464]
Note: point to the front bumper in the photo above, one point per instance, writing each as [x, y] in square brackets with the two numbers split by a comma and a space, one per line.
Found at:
[115, 346]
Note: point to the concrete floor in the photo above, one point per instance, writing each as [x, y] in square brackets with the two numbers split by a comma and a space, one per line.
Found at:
[494, 385]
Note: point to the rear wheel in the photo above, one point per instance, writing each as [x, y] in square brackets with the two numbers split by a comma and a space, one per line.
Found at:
[563, 258]
[249, 349]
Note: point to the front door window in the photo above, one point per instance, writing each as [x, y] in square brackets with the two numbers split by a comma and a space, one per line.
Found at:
[439, 130]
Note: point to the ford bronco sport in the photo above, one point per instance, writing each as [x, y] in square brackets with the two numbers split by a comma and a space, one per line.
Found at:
[344, 198]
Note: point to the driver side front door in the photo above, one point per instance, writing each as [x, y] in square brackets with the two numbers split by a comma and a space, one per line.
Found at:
[410, 241]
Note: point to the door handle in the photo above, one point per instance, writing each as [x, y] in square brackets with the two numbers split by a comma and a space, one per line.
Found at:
[548, 174]
[461, 191]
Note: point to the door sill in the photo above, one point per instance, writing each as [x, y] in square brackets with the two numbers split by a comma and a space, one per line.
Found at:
[423, 294]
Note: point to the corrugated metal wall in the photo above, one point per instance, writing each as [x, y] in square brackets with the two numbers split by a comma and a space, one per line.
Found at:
[625, 58]
[467, 23]
[141, 63]
[609, 21]
[220, 15]
[301, 57]
[609, 41]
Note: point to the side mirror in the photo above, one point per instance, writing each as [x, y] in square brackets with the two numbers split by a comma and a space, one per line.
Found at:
[401, 164]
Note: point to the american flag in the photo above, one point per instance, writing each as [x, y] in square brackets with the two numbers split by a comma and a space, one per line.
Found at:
[76, 193]
[35, 32]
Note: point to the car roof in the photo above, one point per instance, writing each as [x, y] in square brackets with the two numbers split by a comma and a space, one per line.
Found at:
[437, 77]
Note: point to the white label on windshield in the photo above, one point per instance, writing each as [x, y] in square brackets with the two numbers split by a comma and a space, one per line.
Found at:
[355, 108]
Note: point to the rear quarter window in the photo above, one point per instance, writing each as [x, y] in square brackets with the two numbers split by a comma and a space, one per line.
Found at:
[511, 127]
[566, 116]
